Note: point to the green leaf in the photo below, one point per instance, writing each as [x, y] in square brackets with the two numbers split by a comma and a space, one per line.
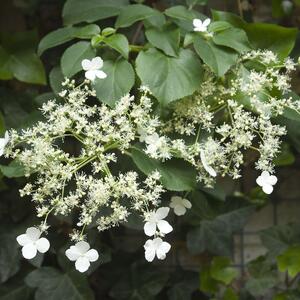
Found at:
[176, 175]
[286, 156]
[63, 35]
[73, 56]
[2, 124]
[279, 39]
[139, 282]
[220, 270]
[196, 2]
[9, 256]
[215, 235]
[56, 78]
[77, 11]
[234, 38]
[183, 16]
[259, 286]
[183, 288]
[27, 67]
[175, 77]
[207, 283]
[119, 81]
[278, 238]
[289, 261]
[218, 58]
[230, 294]
[166, 38]
[158, 20]
[118, 42]
[218, 26]
[5, 72]
[13, 170]
[15, 291]
[133, 13]
[52, 284]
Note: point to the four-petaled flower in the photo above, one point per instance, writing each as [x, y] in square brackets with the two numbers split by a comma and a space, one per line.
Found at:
[180, 205]
[155, 220]
[82, 255]
[266, 181]
[31, 243]
[3, 142]
[201, 26]
[156, 247]
[92, 68]
[206, 166]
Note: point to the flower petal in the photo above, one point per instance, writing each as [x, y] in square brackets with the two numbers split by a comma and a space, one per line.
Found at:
[72, 253]
[82, 247]
[29, 251]
[97, 63]
[92, 255]
[82, 264]
[33, 233]
[162, 250]
[265, 174]
[42, 245]
[206, 22]
[164, 226]
[197, 23]
[272, 180]
[91, 75]
[175, 200]
[162, 212]
[179, 210]
[86, 64]
[260, 180]
[100, 74]
[149, 254]
[150, 228]
[23, 239]
[187, 203]
[267, 188]
[207, 167]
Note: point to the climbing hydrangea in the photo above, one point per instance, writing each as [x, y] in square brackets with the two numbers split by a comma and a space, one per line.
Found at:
[211, 130]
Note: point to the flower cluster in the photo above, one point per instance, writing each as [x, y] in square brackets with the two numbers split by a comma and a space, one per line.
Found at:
[73, 155]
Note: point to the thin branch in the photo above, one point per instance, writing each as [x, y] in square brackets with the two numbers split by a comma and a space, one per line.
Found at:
[137, 32]
[240, 9]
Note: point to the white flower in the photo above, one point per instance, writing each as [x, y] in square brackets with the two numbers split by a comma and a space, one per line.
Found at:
[3, 142]
[206, 166]
[201, 26]
[155, 220]
[156, 247]
[31, 243]
[154, 142]
[180, 205]
[92, 68]
[82, 255]
[143, 134]
[266, 181]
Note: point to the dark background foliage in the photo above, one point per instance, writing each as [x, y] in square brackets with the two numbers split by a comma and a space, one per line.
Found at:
[201, 263]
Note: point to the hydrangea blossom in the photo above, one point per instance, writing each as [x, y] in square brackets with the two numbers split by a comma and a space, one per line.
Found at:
[82, 255]
[266, 181]
[93, 68]
[201, 26]
[3, 142]
[32, 243]
[86, 181]
[180, 205]
[155, 220]
[210, 170]
[156, 247]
